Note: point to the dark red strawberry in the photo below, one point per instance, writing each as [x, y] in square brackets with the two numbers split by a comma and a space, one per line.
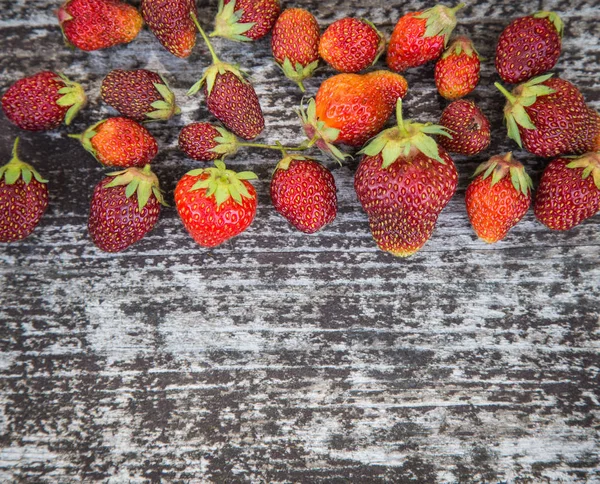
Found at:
[457, 70]
[171, 22]
[468, 126]
[245, 20]
[206, 142]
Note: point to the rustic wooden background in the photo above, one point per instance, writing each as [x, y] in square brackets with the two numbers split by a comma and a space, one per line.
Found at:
[282, 357]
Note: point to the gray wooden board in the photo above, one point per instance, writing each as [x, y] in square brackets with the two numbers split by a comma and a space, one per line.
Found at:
[282, 357]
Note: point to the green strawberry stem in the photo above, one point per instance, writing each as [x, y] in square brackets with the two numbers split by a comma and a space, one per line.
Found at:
[215, 58]
[511, 99]
[16, 168]
[274, 147]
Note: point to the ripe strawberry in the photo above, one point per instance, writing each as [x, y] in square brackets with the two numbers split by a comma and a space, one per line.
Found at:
[43, 101]
[420, 37]
[567, 194]
[245, 20]
[351, 45]
[468, 126]
[549, 117]
[119, 142]
[206, 142]
[140, 95]
[23, 198]
[304, 192]
[497, 203]
[295, 44]
[403, 182]
[125, 207]
[529, 46]
[215, 204]
[457, 71]
[171, 22]
[98, 24]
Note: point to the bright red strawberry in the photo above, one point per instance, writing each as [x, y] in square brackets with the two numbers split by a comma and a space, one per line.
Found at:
[215, 204]
[403, 182]
[498, 197]
[43, 101]
[420, 37]
[351, 45]
[457, 71]
[569, 191]
[140, 95]
[468, 126]
[295, 44]
[206, 142]
[119, 142]
[171, 22]
[245, 20]
[23, 198]
[99, 24]
[529, 46]
[125, 207]
[304, 192]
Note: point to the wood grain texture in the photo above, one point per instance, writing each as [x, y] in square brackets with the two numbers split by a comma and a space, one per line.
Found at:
[282, 357]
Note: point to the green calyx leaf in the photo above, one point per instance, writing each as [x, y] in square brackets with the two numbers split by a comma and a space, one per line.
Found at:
[284, 163]
[553, 18]
[459, 46]
[16, 169]
[500, 166]
[440, 20]
[73, 96]
[165, 108]
[142, 183]
[86, 138]
[210, 76]
[227, 145]
[590, 165]
[298, 72]
[227, 23]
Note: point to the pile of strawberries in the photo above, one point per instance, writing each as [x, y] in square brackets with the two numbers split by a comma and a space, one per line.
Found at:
[406, 175]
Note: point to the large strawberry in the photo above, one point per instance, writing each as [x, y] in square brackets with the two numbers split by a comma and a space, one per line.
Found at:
[23, 198]
[457, 70]
[245, 20]
[43, 101]
[468, 126]
[403, 182]
[171, 22]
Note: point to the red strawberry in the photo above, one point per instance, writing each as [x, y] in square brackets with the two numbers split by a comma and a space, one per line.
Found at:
[304, 192]
[498, 198]
[351, 45]
[569, 191]
[245, 20]
[206, 142]
[23, 198]
[529, 46]
[119, 142]
[43, 101]
[457, 71]
[125, 207]
[215, 204]
[171, 22]
[403, 182]
[295, 44]
[140, 95]
[420, 37]
[468, 126]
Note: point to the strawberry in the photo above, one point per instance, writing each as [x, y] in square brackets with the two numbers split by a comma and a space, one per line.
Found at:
[125, 207]
[304, 192]
[215, 204]
[529, 46]
[548, 116]
[403, 182]
[498, 197]
[171, 22]
[119, 142]
[567, 194]
[206, 142]
[140, 95]
[420, 37]
[43, 101]
[23, 198]
[468, 126]
[457, 71]
[351, 45]
[245, 20]
[295, 44]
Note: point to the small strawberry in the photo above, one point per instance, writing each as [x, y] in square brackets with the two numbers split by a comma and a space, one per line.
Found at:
[567, 194]
[215, 204]
[125, 207]
[43, 101]
[295, 44]
[457, 71]
[468, 126]
[119, 142]
[98, 24]
[498, 197]
[206, 142]
[140, 95]
[171, 22]
[23, 198]
[304, 192]
[529, 46]
[420, 37]
[351, 45]
[245, 20]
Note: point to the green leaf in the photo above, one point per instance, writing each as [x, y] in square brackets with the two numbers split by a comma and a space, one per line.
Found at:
[11, 175]
[235, 194]
[513, 130]
[247, 175]
[390, 153]
[205, 183]
[143, 193]
[221, 194]
[163, 105]
[514, 178]
[26, 175]
[490, 169]
[131, 188]
[521, 117]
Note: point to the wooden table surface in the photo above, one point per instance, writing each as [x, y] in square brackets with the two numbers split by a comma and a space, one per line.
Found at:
[283, 357]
